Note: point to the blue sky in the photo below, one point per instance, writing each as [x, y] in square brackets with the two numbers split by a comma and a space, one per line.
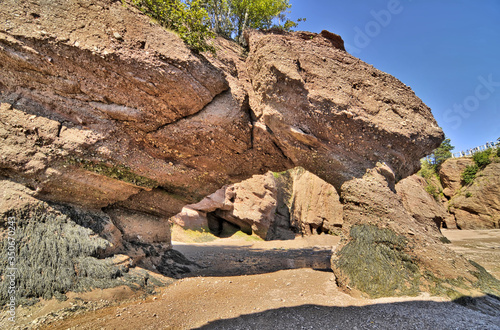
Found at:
[447, 51]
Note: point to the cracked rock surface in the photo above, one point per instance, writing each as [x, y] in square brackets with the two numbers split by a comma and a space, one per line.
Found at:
[106, 111]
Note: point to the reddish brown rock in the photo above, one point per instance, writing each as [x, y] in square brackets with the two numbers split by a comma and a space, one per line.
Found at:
[478, 206]
[386, 251]
[450, 174]
[272, 206]
[112, 111]
[333, 114]
[314, 206]
[419, 203]
[191, 123]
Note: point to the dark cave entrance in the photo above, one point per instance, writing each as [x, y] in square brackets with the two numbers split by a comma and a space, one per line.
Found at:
[221, 227]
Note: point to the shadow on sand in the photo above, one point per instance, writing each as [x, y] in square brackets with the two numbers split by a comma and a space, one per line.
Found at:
[232, 260]
[464, 313]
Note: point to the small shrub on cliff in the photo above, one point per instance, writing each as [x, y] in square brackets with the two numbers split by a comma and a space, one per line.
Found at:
[482, 158]
[428, 172]
[469, 174]
[189, 19]
[432, 190]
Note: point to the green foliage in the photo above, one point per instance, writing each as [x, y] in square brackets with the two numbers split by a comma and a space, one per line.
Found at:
[482, 158]
[428, 172]
[442, 153]
[198, 20]
[486, 282]
[469, 174]
[432, 190]
[444, 240]
[121, 172]
[498, 152]
[376, 263]
[189, 19]
[231, 17]
[468, 194]
[278, 175]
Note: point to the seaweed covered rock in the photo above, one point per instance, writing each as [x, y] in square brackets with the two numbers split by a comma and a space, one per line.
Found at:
[387, 252]
[50, 253]
[48, 250]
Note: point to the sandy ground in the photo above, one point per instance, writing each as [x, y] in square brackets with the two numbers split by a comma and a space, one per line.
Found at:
[482, 246]
[282, 285]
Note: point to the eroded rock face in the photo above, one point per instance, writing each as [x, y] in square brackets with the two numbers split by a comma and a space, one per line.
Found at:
[478, 206]
[271, 206]
[105, 111]
[387, 252]
[450, 174]
[420, 204]
[332, 113]
[190, 124]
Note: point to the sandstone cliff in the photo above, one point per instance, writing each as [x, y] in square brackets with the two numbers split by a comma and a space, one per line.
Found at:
[474, 206]
[108, 113]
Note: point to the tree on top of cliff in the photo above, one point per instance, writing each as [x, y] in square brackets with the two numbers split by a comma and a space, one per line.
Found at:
[231, 17]
[188, 18]
[197, 20]
[442, 153]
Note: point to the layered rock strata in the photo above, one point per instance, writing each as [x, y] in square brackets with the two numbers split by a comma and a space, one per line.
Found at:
[107, 112]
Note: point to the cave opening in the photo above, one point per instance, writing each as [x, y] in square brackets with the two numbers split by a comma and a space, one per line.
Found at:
[220, 227]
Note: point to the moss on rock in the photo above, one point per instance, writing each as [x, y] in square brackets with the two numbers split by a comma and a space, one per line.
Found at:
[119, 172]
[486, 282]
[375, 263]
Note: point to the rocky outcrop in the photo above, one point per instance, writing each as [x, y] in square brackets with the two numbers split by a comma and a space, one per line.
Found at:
[107, 112]
[387, 252]
[272, 206]
[333, 114]
[419, 203]
[191, 124]
[477, 206]
[314, 204]
[450, 174]
[473, 206]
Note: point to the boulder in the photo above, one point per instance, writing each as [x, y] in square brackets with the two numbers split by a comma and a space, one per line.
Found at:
[314, 207]
[387, 252]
